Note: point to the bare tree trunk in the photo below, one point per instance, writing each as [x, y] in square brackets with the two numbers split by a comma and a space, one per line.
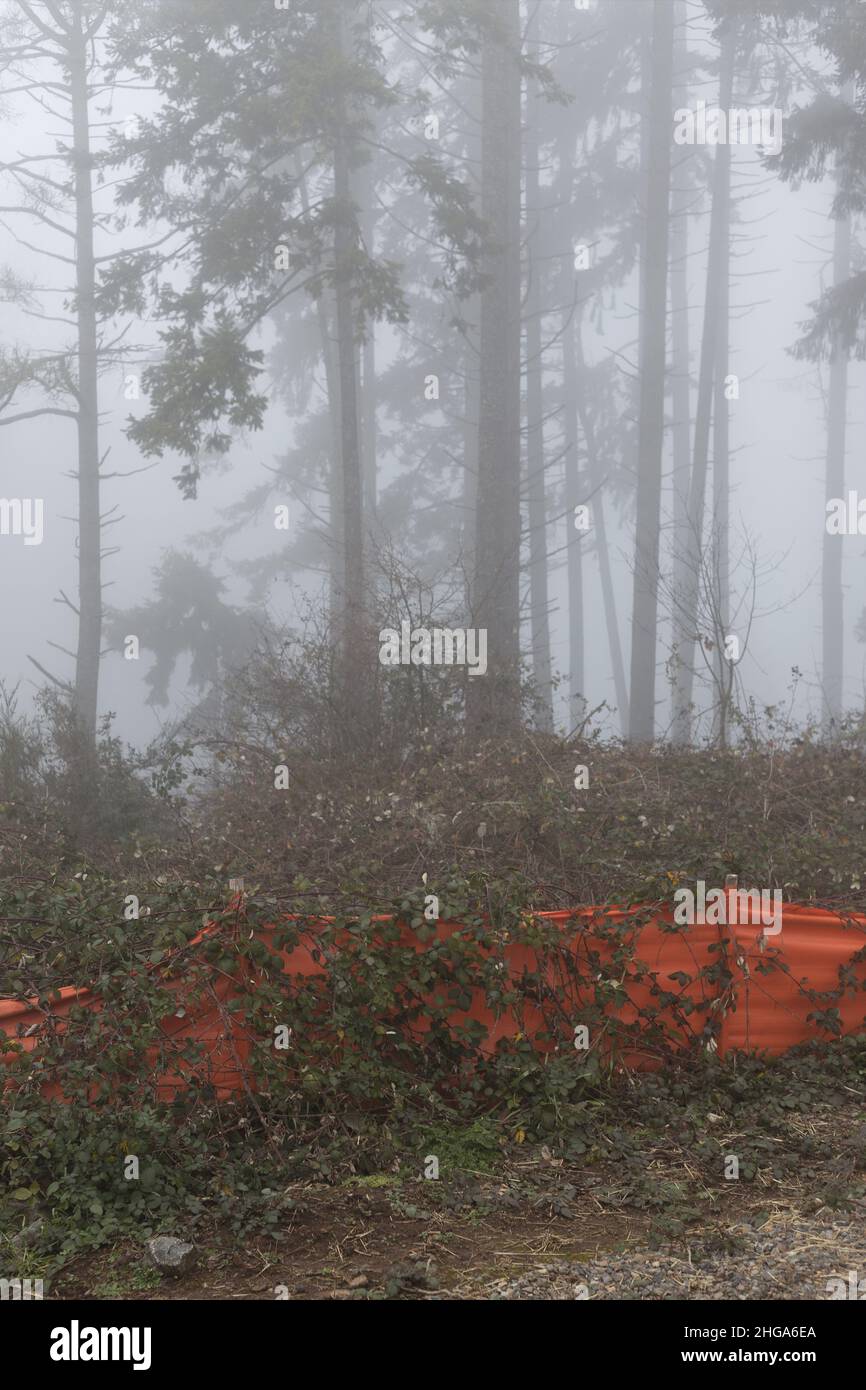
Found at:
[89, 521]
[577, 703]
[682, 196]
[575, 418]
[470, 315]
[687, 611]
[354, 655]
[326, 311]
[325, 318]
[364, 182]
[652, 383]
[471, 417]
[539, 598]
[721, 474]
[368, 423]
[832, 597]
[574, 552]
[602, 549]
[493, 702]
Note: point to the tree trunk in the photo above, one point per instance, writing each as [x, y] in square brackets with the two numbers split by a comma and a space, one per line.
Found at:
[599, 526]
[471, 417]
[721, 481]
[687, 612]
[368, 423]
[682, 197]
[574, 552]
[89, 522]
[832, 598]
[539, 598]
[325, 318]
[576, 418]
[652, 383]
[493, 701]
[364, 182]
[326, 313]
[470, 315]
[353, 636]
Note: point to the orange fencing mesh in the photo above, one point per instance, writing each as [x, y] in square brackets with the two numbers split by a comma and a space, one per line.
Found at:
[775, 992]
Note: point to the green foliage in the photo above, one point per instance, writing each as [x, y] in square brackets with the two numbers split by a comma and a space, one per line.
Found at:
[217, 164]
[42, 757]
[383, 1068]
[188, 615]
[471, 1148]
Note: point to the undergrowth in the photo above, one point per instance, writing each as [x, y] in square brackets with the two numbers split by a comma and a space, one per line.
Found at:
[381, 1065]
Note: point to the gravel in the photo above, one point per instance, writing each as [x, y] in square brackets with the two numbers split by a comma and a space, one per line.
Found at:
[788, 1258]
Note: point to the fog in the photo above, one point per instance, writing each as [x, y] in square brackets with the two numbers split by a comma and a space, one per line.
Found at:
[433, 662]
[781, 243]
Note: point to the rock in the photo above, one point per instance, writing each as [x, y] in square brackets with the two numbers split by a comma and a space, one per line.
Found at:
[171, 1255]
[360, 1281]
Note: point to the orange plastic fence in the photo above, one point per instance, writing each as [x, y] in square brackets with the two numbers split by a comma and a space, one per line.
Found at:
[760, 1011]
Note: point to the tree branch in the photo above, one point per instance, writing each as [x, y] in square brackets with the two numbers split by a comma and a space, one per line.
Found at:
[32, 414]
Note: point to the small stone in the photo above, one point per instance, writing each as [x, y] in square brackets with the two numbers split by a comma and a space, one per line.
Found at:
[171, 1255]
[360, 1281]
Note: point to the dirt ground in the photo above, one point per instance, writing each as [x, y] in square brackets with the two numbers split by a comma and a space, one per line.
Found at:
[639, 1205]
[377, 1238]
[353, 1244]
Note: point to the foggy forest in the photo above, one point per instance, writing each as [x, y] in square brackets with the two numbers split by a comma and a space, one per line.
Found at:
[433, 668]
